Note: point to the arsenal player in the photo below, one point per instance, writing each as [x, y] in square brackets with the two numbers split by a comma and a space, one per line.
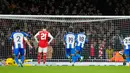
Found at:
[42, 38]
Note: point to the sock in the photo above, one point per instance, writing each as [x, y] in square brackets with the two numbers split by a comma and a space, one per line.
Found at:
[73, 59]
[22, 58]
[39, 58]
[127, 59]
[16, 60]
[44, 58]
[67, 55]
[78, 56]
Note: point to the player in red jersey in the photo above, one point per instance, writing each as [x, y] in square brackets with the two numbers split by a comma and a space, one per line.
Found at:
[42, 38]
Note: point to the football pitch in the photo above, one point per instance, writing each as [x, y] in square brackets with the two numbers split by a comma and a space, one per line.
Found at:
[65, 69]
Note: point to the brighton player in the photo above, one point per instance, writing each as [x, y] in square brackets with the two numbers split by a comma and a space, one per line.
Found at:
[18, 38]
[69, 42]
[79, 45]
[28, 36]
[126, 43]
[43, 43]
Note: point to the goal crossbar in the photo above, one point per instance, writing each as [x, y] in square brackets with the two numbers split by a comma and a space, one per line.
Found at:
[64, 16]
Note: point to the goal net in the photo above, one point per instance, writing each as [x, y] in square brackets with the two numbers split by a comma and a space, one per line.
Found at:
[104, 34]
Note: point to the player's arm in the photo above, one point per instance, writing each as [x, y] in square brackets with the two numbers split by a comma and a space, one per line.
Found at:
[86, 40]
[51, 38]
[28, 35]
[26, 40]
[35, 37]
[64, 43]
[11, 41]
[64, 40]
[11, 37]
[122, 42]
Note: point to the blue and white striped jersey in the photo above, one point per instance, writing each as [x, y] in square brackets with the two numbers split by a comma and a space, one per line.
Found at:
[18, 39]
[80, 40]
[69, 39]
[126, 43]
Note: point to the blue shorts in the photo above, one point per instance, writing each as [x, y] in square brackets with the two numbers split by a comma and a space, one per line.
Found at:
[18, 50]
[70, 51]
[127, 52]
[78, 48]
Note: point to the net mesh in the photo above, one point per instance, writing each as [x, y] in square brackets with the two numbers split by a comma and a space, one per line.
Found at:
[102, 33]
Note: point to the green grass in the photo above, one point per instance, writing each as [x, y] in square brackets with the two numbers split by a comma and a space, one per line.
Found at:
[65, 69]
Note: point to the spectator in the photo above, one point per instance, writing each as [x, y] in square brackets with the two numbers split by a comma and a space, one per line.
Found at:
[100, 51]
[109, 52]
[50, 7]
[92, 50]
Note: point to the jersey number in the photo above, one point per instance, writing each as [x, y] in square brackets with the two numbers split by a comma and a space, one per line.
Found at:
[127, 41]
[18, 38]
[81, 39]
[70, 39]
[43, 36]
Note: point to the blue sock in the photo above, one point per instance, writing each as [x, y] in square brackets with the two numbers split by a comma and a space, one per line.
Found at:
[67, 55]
[16, 60]
[74, 59]
[78, 56]
[22, 58]
[128, 60]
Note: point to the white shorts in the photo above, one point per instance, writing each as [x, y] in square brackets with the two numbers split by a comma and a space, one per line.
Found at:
[44, 50]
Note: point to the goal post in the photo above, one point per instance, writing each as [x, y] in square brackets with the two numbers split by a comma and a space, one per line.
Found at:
[103, 32]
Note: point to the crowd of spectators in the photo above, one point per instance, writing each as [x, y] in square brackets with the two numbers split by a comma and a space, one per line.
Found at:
[65, 7]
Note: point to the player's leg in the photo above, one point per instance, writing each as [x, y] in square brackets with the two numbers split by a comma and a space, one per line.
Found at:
[129, 57]
[44, 55]
[73, 55]
[68, 52]
[16, 53]
[126, 52]
[39, 55]
[78, 52]
[22, 56]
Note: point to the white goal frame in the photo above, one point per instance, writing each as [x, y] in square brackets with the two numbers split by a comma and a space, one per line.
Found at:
[99, 18]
